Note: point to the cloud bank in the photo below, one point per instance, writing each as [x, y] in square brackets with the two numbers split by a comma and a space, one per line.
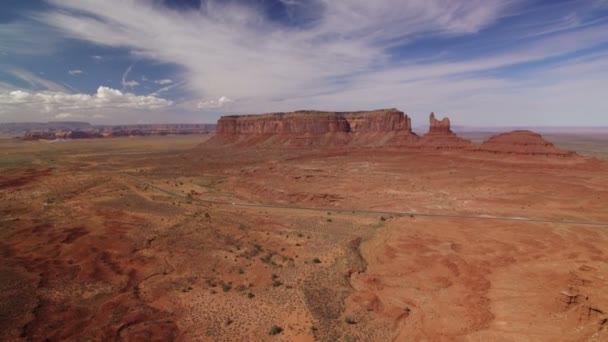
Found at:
[63, 105]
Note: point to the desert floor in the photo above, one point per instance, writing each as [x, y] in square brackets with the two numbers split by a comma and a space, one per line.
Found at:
[165, 238]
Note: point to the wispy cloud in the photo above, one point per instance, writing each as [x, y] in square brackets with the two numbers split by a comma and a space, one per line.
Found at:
[75, 72]
[164, 81]
[221, 102]
[34, 81]
[128, 84]
[347, 54]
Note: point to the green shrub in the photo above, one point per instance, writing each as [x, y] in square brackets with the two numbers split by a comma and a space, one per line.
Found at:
[275, 330]
[349, 320]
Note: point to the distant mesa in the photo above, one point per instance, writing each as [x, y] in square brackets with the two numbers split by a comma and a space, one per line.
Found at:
[376, 128]
[522, 142]
[84, 130]
[315, 122]
[316, 128]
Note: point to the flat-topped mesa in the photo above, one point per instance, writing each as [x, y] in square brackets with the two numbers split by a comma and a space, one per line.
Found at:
[315, 122]
[439, 126]
[522, 142]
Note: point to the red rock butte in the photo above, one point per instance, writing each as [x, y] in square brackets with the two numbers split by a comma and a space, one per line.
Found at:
[383, 127]
[441, 137]
[439, 126]
[376, 128]
[315, 122]
[522, 142]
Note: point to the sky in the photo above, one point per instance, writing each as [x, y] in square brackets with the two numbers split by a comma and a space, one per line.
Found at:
[480, 62]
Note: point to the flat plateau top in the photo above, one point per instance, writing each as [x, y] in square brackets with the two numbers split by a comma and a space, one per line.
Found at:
[311, 113]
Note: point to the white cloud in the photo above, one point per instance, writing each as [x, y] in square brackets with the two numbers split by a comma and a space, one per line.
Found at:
[62, 116]
[34, 81]
[164, 81]
[232, 49]
[97, 57]
[221, 102]
[343, 59]
[64, 105]
[128, 84]
[75, 72]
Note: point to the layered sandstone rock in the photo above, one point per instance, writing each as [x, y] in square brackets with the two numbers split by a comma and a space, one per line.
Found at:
[440, 136]
[306, 128]
[439, 126]
[522, 142]
[315, 122]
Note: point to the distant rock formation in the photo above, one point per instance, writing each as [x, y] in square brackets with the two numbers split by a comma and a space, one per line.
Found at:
[377, 128]
[58, 130]
[439, 126]
[440, 136]
[522, 142]
[39, 136]
[315, 122]
[305, 128]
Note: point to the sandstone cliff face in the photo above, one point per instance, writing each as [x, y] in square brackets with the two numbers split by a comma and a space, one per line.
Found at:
[315, 123]
[379, 128]
[521, 142]
[439, 126]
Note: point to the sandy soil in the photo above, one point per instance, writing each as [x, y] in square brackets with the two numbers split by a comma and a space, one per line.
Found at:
[155, 239]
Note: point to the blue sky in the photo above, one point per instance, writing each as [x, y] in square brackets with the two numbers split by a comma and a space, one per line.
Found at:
[481, 62]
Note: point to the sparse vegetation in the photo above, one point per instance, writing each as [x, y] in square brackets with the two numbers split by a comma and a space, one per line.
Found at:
[250, 295]
[275, 330]
[382, 218]
[316, 260]
[349, 320]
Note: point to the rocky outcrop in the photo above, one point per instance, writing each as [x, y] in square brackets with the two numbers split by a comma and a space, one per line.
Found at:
[439, 126]
[39, 136]
[316, 128]
[378, 128]
[440, 136]
[315, 122]
[522, 142]
[58, 131]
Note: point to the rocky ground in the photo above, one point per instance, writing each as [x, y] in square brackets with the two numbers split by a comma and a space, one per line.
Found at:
[160, 238]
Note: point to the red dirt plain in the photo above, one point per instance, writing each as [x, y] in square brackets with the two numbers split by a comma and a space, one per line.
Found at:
[115, 240]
